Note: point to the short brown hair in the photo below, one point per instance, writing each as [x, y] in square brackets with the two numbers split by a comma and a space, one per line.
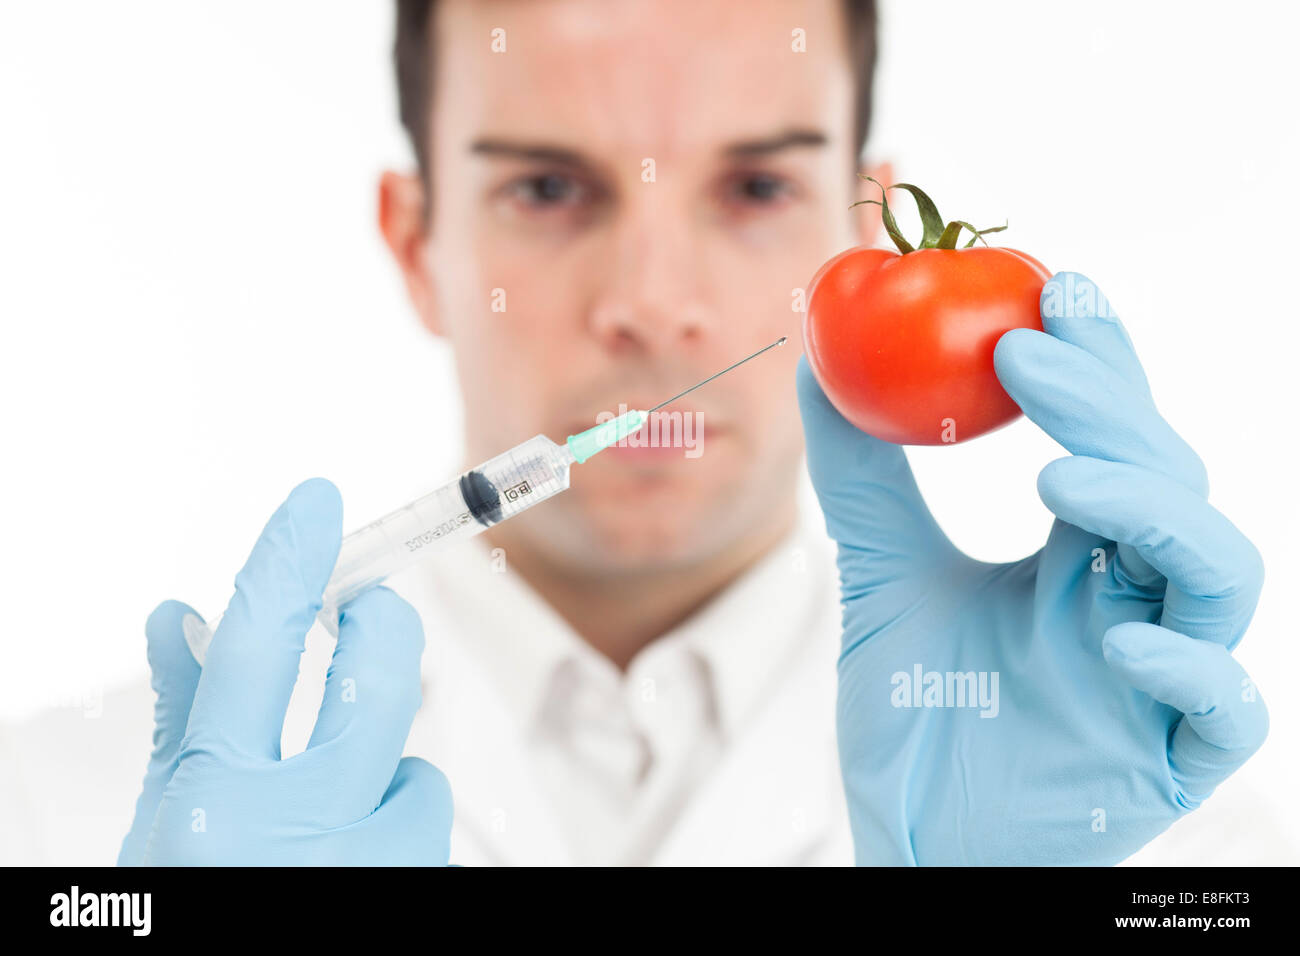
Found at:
[413, 53]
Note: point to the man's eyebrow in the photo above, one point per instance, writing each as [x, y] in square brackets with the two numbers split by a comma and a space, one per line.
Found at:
[540, 152]
[543, 152]
[773, 144]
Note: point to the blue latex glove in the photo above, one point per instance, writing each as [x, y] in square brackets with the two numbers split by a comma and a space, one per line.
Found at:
[1118, 706]
[217, 791]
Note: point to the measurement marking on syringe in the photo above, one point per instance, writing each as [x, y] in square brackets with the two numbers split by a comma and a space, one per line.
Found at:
[439, 531]
[381, 524]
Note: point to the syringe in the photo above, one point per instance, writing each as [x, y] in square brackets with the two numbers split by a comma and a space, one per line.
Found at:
[469, 504]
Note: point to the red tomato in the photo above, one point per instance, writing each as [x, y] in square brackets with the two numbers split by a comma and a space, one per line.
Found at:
[902, 344]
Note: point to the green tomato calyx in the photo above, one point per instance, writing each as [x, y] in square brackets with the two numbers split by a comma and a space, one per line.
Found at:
[935, 235]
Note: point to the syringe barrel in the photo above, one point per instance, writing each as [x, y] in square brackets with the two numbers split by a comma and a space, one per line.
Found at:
[472, 502]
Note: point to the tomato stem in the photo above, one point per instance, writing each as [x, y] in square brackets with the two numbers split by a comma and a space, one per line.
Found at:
[934, 234]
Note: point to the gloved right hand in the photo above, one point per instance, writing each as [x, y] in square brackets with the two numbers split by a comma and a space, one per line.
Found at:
[217, 791]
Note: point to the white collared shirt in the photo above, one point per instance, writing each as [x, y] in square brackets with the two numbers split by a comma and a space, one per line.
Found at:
[716, 745]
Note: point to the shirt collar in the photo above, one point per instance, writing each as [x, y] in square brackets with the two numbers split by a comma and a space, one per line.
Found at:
[748, 633]
[520, 640]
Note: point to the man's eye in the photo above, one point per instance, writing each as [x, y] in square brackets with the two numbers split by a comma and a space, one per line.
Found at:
[758, 189]
[549, 189]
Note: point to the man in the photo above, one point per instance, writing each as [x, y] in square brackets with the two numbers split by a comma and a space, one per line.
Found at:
[614, 201]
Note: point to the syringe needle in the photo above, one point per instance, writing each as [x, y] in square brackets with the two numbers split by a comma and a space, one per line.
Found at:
[780, 341]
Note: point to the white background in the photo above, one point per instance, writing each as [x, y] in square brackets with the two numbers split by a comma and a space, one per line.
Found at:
[198, 311]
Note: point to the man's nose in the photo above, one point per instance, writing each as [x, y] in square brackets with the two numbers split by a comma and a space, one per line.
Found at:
[650, 293]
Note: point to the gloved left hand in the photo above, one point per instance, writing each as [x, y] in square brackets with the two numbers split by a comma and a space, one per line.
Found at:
[1066, 708]
[217, 791]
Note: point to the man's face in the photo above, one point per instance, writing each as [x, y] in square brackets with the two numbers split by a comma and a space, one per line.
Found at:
[623, 202]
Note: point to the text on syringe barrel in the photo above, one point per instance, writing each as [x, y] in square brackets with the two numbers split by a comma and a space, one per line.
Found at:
[498, 489]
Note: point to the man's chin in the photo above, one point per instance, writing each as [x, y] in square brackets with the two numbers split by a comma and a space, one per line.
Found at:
[634, 535]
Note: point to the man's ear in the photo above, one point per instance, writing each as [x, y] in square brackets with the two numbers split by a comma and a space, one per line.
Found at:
[867, 221]
[402, 221]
